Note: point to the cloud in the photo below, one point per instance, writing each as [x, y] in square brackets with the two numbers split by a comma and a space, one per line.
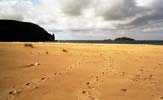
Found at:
[87, 16]
[153, 29]
[121, 13]
[117, 9]
[15, 9]
[74, 7]
[93, 13]
[151, 15]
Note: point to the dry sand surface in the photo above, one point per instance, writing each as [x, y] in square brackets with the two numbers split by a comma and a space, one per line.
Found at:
[51, 71]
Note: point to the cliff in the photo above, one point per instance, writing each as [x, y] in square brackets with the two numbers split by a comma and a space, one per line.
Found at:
[11, 30]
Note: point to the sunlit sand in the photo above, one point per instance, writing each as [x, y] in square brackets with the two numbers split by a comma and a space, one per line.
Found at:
[54, 71]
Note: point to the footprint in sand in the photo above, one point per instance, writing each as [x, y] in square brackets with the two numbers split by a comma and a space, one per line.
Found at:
[162, 98]
[124, 90]
[27, 84]
[84, 91]
[13, 93]
[47, 52]
[96, 81]
[34, 83]
[30, 65]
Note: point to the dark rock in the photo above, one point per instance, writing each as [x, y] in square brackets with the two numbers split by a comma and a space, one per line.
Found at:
[12, 30]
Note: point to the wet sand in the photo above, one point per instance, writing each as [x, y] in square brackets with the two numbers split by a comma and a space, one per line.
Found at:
[53, 71]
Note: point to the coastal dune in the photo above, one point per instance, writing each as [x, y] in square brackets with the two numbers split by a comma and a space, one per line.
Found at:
[67, 71]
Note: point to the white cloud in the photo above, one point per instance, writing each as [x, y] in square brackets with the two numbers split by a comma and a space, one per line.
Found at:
[153, 29]
[15, 9]
[144, 2]
[91, 16]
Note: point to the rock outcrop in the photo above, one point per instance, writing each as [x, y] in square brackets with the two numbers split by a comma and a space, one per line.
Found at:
[11, 30]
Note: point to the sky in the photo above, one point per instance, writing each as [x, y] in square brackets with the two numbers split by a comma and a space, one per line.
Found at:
[90, 19]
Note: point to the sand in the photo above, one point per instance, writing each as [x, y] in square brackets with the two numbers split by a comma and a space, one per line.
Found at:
[55, 71]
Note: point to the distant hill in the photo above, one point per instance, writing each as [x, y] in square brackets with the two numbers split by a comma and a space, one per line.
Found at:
[108, 40]
[124, 39]
[11, 30]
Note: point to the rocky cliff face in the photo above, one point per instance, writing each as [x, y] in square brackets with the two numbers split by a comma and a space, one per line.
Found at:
[11, 30]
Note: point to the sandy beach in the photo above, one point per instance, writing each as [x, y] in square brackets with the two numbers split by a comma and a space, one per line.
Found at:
[65, 71]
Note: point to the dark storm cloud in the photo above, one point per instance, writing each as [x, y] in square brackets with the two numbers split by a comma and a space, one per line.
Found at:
[118, 10]
[150, 14]
[146, 19]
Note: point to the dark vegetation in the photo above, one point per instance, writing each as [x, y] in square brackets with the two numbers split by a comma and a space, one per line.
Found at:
[29, 45]
[11, 30]
[64, 50]
[124, 39]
